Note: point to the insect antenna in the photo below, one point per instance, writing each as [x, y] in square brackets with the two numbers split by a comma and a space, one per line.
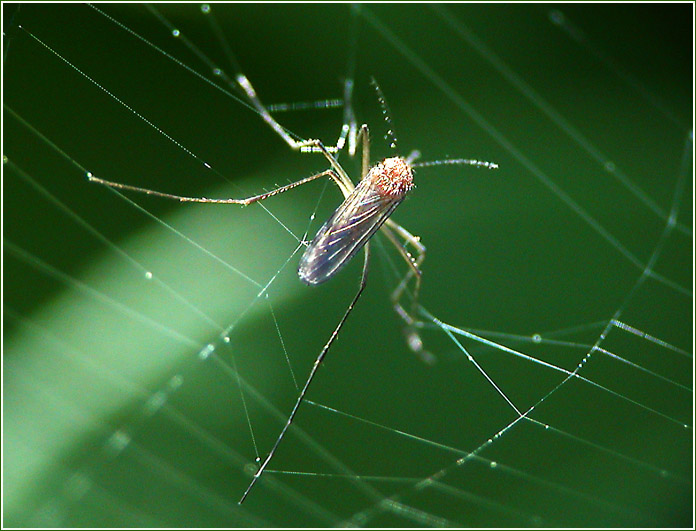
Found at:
[468, 162]
[391, 137]
[386, 113]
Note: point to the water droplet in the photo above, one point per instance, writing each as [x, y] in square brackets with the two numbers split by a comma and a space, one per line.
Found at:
[176, 381]
[610, 166]
[89, 175]
[536, 338]
[176, 32]
[118, 441]
[258, 459]
[217, 72]
[206, 351]
[493, 464]
[155, 402]
[226, 339]
[205, 8]
[556, 17]
[4, 159]
[148, 275]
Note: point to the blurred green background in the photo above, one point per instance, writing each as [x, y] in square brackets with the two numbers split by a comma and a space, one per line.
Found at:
[116, 413]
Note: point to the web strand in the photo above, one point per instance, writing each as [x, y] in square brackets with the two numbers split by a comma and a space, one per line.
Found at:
[495, 433]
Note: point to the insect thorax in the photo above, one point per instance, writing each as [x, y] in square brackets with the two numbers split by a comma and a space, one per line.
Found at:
[391, 177]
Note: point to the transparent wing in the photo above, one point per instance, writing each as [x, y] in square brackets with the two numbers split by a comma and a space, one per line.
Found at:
[345, 232]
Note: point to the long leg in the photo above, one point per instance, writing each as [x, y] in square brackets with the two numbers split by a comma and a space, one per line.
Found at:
[304, 146]
[413, 338]
[341, 177]
[240, 81]
[348, 129]
[227, 201]
[337, 173]
[347, 187]
[315, 367]
[350, 125]
[364, 136]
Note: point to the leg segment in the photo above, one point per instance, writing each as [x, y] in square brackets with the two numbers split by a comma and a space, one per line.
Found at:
[312, 373]
[347, 187]
[228, 201]
[302, 146]
[394, 231]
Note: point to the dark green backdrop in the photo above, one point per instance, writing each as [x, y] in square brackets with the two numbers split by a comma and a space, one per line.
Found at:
[114, 417]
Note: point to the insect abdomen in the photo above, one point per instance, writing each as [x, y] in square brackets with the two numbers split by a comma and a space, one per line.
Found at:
[354, 222]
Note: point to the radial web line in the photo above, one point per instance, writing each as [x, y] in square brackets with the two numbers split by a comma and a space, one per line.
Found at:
[120, 438]
[153, 126]
[554, 115]
[576, 338]
[206, 350]
[365, 515]
[98, 235]
[496, 134]
[644, 335]
[174, 59]
[572, 31]
[285, 350]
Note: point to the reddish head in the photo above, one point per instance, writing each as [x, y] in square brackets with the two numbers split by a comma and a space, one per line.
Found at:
[393, 177]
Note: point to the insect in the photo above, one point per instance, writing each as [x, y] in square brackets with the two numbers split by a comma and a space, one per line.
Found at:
[365, 210]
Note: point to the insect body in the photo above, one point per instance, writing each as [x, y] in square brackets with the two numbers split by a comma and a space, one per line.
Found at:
[354, 222]
[365, 210]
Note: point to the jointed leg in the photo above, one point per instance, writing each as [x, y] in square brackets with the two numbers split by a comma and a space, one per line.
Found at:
[239, 81]
[350, 124]
[306, 145]
[349, 127]
[315, 367]
[364, 136]
[337, 173]
[393, 231]
[346, 186]
[228, 201]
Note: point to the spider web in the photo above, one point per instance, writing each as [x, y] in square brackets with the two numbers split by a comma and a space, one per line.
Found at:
[152, 351]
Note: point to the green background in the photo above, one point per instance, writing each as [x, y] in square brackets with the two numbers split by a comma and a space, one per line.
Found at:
[112, 417]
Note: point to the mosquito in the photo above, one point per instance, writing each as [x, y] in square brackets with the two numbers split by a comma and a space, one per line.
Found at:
[366, 209]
